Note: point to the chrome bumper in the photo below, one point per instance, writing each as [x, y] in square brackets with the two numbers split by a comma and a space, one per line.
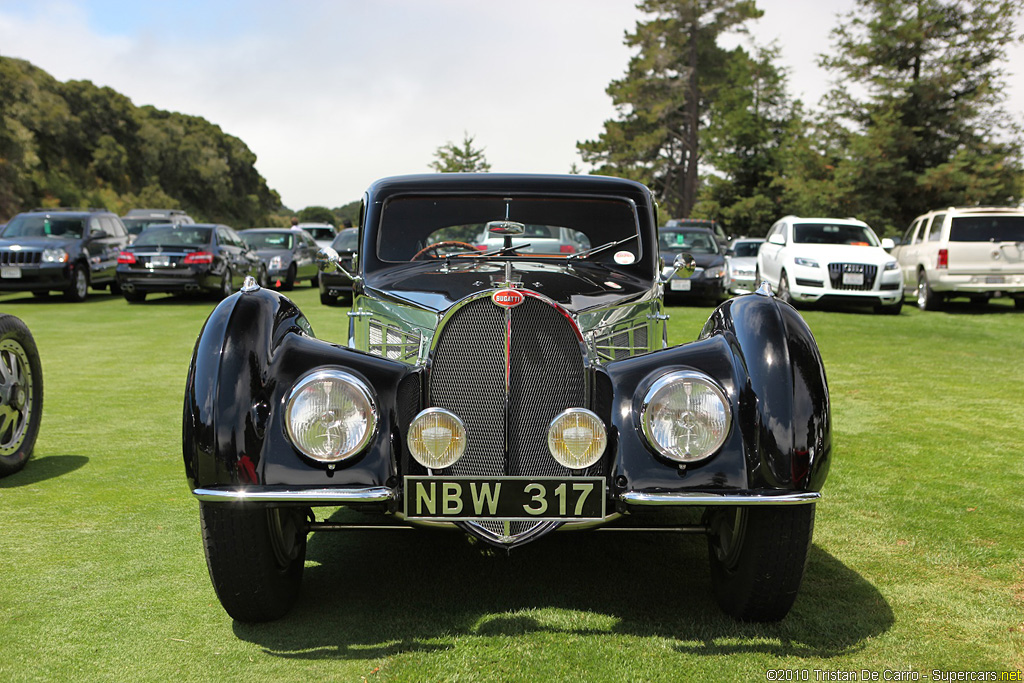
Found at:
[641, 499]
[383, 494]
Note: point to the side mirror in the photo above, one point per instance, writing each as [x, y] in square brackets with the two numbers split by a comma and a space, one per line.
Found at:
[328, 261]
[888, 244]
[98, 234]
[777, 239]
[683, 264]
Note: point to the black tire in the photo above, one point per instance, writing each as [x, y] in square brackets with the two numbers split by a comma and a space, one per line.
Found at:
[328, 300]
[79, 287]
[757, 557]
[41, 295]
[783, 294]
[134, 297]
[315, 282]
[115, 287]
[289, 280]
[927, 299]
[21, 394]
[262, 279]
[255, 556]
[225, 289]
[1018, 303]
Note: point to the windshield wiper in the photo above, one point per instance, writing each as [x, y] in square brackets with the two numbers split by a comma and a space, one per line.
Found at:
[504, 251]
[595, 250]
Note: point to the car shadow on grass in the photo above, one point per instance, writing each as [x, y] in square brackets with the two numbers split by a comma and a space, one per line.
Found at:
[371, 594]
[41, 469]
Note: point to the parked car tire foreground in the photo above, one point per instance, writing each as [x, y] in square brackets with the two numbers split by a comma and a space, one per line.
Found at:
[506, 394]
[21, 394]
[807, 260]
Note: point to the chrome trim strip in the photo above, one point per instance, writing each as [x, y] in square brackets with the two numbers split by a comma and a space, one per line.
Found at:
[641, 498]
[332, 496]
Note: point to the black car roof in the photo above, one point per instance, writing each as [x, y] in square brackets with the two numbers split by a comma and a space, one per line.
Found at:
[509, 182]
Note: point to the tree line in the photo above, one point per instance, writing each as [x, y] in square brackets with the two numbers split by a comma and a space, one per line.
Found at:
[914, 122]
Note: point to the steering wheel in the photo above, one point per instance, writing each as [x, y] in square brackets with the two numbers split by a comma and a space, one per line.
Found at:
[439, 245]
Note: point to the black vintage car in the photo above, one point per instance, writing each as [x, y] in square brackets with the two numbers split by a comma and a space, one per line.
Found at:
[508, 394]
[186, 259]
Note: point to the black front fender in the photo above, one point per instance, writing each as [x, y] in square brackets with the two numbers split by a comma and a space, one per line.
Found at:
[763, 355]
[251, 351]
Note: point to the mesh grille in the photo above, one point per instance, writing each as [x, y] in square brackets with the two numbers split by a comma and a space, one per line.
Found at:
[507, 431]
[836, 270]
[622, 343]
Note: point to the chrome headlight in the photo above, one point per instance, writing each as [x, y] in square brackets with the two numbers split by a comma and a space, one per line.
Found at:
[437, 438]
[577, 438]
[892, 265]
[806, 262]
[330, 415]
[685, 416]
[275, 263]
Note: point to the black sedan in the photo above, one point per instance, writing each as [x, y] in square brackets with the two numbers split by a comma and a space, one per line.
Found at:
[707, 283]
[338, 285]
[186, 259]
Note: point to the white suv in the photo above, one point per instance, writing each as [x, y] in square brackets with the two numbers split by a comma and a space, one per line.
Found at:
[832, 259]
[973, 252]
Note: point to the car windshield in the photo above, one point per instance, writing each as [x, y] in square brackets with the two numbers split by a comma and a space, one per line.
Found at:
[833, 233]
[174, 236]
[745, 249]
[987, 229]
[555, 226]
[346, 240]
[268, 240]
[45, 226]
[698, 242]
[137, 225]
[321, 233]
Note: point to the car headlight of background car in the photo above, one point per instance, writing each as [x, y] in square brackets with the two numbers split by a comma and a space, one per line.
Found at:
[892, 265]
[685, 416]
[806, 262]
[330, 415]
[714, 272]
[55, 256]
[275, 263]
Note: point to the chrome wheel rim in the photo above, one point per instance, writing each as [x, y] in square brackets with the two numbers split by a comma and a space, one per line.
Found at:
[81, 285]
[17, 389]
[922, 293]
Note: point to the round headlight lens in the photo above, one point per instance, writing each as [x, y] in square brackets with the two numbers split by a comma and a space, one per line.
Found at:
[577, 438]
[685, 416]
[437, 438]
[330, 415]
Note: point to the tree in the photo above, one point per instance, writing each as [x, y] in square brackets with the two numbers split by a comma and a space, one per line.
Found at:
[451, 158]
[917, 120]
[663, 101]
[317, 214]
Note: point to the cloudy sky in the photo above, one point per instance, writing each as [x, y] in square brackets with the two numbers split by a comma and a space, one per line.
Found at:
[332, 94]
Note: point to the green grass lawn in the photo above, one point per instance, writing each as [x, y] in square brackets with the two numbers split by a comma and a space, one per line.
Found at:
[917, 563]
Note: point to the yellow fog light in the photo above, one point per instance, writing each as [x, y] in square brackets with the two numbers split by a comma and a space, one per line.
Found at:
[577, 438]
[437, 438]
[330, 415]
[685, 416]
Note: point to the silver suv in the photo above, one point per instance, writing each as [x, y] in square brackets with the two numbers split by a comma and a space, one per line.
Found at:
[975, 252]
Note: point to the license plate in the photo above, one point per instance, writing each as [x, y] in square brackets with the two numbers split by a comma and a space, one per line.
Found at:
[508, 498]
[159, 261]
[995, 279]
[10, 272]
[853, 279]
[679, 285]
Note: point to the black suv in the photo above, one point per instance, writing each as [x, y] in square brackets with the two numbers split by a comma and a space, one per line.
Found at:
[67, 250]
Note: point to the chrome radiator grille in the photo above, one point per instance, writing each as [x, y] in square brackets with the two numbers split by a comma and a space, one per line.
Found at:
[507, 426]
[836, 270]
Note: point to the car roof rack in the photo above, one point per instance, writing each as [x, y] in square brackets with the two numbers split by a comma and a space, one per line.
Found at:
[70, 209]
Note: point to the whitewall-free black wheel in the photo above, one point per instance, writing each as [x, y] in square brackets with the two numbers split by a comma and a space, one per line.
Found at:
[21, 394]
[255, 556]
[757, 557]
